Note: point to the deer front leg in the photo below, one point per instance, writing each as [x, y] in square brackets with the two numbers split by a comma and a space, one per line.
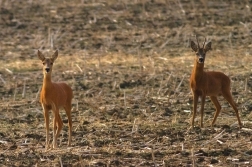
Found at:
[203, 98]
[57, 127]
[46, 117]
[195, 102]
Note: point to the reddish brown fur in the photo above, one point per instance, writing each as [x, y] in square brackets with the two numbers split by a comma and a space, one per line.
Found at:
[210, 84]
[54, 96]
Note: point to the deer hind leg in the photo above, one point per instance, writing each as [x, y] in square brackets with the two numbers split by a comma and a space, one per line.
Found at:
[57, 127]
[68, 113]
[46, 117]
[217, 107]
[195, 102]
[227, 95]
[203, 98]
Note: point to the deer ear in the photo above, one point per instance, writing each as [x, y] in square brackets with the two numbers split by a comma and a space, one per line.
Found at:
[208, 46]
[55, 55]
[41, 56]
[194, 46]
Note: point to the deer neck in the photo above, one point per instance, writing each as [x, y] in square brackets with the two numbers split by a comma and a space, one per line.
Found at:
[198, 71]
[47, 82]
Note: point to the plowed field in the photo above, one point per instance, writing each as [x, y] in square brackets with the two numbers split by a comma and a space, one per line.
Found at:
[128, 63]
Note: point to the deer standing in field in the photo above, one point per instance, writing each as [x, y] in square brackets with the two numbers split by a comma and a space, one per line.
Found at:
[54, 96]
[210, 83]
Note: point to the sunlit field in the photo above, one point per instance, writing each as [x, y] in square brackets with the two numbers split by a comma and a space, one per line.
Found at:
[129, 64]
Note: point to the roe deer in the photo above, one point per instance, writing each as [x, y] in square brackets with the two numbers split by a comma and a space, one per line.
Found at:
[210, 83]
[53, 96]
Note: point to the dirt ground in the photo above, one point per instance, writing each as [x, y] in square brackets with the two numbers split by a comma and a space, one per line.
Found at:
[128, 63]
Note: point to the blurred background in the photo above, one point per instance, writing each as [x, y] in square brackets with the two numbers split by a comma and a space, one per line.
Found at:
[145, 27]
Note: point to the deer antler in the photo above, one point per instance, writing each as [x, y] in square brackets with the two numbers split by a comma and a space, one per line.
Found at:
[204, 42]
[197, 41]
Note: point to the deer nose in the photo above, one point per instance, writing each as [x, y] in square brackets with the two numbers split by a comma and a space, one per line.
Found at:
[201, 59]
[47, 69]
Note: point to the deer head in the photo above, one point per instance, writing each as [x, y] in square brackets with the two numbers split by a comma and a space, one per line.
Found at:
[201, 52]
[47, 62]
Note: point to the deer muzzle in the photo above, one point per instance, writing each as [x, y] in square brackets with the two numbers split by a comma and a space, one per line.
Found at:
[201, 60]
[47, 69]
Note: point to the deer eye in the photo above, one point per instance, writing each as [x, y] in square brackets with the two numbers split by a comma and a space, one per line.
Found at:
[43, 63]
[197, 54]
